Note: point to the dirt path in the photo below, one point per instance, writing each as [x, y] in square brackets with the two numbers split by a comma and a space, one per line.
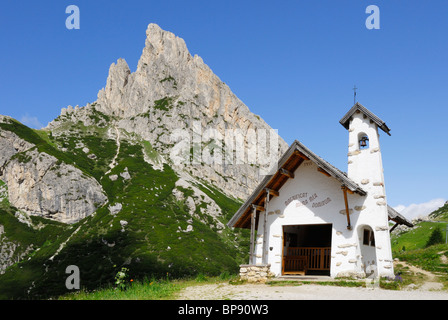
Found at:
[114, 160]
[430, 289]
[225, 291]
[430, 280]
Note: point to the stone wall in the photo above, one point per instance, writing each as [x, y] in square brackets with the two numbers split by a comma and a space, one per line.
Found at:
[259, 273]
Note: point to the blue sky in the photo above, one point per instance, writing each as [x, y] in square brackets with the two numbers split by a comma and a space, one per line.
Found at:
[292, 62]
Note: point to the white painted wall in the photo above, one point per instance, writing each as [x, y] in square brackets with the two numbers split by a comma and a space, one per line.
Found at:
[319, 199]
[326, 207]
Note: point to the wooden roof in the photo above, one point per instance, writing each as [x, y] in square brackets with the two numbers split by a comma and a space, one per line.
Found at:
[398, 218]
[345, 121]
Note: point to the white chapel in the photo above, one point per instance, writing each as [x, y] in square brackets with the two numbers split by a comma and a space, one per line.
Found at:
[309, 218]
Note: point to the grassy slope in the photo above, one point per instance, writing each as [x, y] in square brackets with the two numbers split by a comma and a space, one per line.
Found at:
[150, 244]
[18, 279]
[417, 238]
[411, 245]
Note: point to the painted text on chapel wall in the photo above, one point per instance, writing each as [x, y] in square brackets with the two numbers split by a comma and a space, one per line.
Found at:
[306, 198]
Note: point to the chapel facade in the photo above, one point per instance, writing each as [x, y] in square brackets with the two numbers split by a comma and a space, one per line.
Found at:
[310, 218]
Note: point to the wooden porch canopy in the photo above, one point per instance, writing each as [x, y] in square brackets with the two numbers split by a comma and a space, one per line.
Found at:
[296, 154]
[397, 218]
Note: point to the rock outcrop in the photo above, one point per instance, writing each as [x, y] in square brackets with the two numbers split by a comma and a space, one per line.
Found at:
[10, 144]
[40, 184]
[11, 252]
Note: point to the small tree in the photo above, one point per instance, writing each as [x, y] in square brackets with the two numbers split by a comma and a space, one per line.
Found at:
[435, 237]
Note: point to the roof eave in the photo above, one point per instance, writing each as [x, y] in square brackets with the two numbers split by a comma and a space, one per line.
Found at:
[260, 187]
[398, 218]
[345, 120]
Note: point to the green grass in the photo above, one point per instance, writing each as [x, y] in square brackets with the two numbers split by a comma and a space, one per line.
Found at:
[165, 104]
[46, 135]
[103, 148]
[431, 258]
[171, 79]
[21, 275]
[384, 283]
[149, 151]
[35, 138]
[137, 290]
[415, 238]
[441, 213]
[147, 289]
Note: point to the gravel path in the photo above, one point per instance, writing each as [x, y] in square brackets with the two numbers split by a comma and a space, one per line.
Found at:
[431, 289]
[225, 291]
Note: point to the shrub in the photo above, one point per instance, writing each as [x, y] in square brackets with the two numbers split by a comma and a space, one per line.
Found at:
[436, 237]
[121, 278]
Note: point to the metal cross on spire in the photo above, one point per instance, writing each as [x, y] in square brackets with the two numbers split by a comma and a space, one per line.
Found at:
[354, 95]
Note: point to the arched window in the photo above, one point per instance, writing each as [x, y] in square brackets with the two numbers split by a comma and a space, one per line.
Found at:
[368, 237]
[363, 141]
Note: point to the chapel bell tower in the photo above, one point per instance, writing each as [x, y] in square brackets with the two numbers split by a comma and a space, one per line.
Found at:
[365, 167]
[364, 154]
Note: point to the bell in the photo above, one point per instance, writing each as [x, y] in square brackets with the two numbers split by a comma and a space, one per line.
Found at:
[363, 142]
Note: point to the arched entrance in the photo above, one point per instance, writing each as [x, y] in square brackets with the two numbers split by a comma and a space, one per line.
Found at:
[368, 250]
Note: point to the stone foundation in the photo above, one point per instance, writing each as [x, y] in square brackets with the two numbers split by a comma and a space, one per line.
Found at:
[259, 273]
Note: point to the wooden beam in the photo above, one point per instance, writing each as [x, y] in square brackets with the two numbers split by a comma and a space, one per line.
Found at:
[323, 171]
[257, 207]
[272, 192]
[242, 222]
[347, 211]
[265, 232]
[349, 191]
[287, 173]
[252, 235]
[301, 155]
[395, 225]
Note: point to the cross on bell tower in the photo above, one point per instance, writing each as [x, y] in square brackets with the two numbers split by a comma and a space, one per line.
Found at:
[354, 94]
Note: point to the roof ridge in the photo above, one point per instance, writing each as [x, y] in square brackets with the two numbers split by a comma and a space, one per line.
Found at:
[345, 120]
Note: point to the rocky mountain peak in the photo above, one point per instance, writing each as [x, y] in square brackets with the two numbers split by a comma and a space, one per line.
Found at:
[116, 81]
[165, 45]
[173, 90]
[165, 69]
